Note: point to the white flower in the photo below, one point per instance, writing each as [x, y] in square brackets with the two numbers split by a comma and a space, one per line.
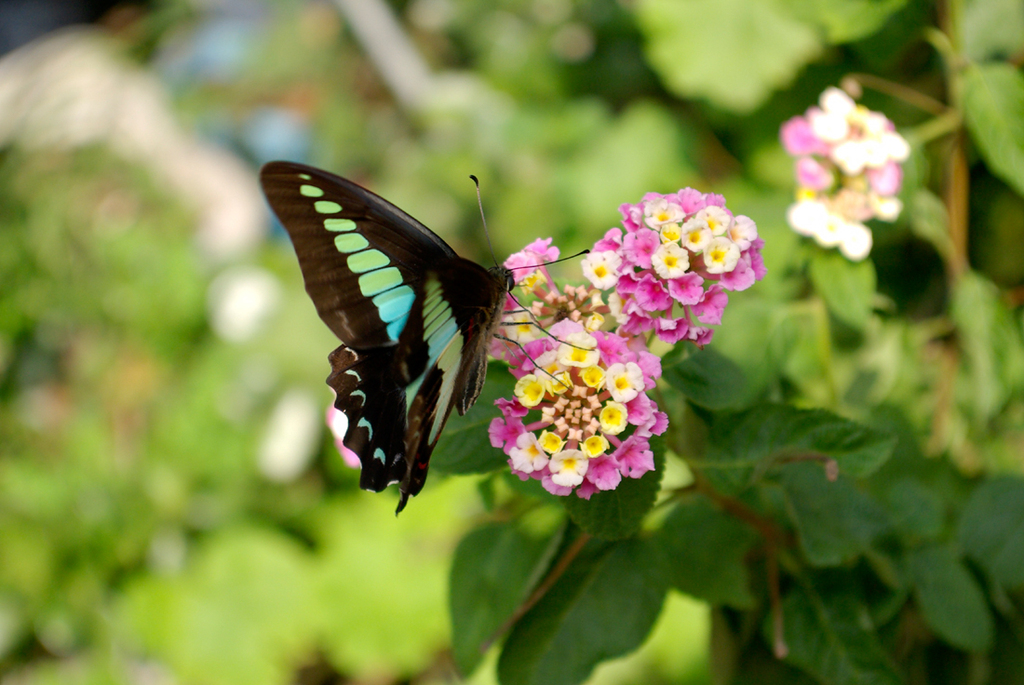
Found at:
[743, 231]
[875, 154]
[578, 350]
[856, 241]
[886, 208]
[850, 156]
[613, 418]
[526, 331]
[721, 255]
[602, 269]
[830, 128]
[836, 101]
[568, 468]
[527, 456]
[624, 381]
[696, 234]
[661, 211]
[896, 146]
[615, 307]
[715, 218]
[873, 123]
[832, 231]
[807, 216]
[670, 261]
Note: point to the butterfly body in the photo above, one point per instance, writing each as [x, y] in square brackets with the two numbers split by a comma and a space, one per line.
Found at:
[415, 319]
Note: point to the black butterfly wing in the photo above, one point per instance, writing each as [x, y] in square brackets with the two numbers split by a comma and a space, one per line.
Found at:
[448, 338]
[361, 257]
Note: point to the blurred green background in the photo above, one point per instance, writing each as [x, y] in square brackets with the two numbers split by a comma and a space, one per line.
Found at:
[172, 509]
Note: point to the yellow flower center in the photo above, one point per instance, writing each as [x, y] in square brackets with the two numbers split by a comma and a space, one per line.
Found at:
[550, 442]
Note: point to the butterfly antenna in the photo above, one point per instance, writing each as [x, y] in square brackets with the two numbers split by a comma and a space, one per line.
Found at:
[563, 259]
[480, 204]
[527, 355]
[536, 323]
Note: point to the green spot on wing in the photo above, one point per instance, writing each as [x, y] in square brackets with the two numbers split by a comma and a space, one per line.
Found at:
[367, 260]
[350, 242]
[326, 207]
[394, 303]
[310, 191]
[305, 177]
[339, 224]
[378, 281]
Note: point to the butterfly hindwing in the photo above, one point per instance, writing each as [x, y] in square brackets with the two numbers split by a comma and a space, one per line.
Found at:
[460, 311]
[374, 404]
[361, 257]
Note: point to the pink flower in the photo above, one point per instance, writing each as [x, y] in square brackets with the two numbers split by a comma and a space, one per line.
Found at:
[671, 330]
[611, 241]
[641, 410]
[537, 253]
[887, 179]
[635, 457]
[700, 335]
[687, 289]
[756, 260]
[603, 473]
[504, 433]
[632, 216]
[338, 423]
[811, 174]
[798, 138]
[650, 365]
[612, 347]
[709, 309]
[651, 294]
[740, 278]
[691, 200]
[638, 247]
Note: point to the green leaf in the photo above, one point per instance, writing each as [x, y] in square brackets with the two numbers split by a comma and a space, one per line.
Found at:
[836, 522]
[704, 551]
[828, 636]
[930, 221]
[465, 445]
[707, 378]
[993, 102]
[991, 341]
[603, 606]
[849, 20]
[732, 52]
[992, 28]
[992, 529]
[952, 603]
[744, 445]
[847, 287]
[494, 568]
[916, 509]
[616, 514]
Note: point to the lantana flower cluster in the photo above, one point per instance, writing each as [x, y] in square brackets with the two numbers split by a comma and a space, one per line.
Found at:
[848, 170]
[581, 417]
[670, 270]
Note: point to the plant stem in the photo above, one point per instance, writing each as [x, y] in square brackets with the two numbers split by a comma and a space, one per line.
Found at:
[542, 589]
[901, 92]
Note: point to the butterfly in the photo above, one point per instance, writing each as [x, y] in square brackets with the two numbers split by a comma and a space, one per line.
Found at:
[415, 320]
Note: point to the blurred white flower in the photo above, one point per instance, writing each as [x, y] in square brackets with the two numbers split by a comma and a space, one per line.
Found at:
[240, 301]
[292, 436]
